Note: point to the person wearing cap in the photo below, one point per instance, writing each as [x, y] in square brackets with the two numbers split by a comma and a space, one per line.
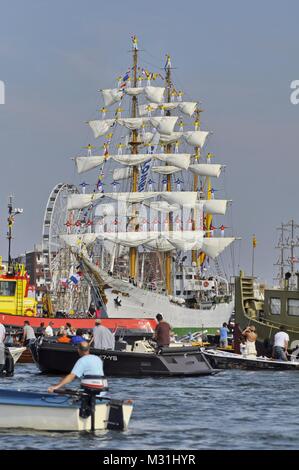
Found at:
[251, 336]
[162, 331]
[49, 329]
[87, 365]
[102, 338]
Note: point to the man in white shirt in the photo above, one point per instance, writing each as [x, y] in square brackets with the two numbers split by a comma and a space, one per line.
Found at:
[28, 333]
[49, 329]
[2, 333]
[281, 341]
[102, 337]
[88, 364]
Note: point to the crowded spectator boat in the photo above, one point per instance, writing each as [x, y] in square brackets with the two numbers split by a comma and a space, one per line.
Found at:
[228, 360]
[140, 359]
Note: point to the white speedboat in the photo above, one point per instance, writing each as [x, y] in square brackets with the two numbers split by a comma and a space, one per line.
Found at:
[227, 360]
[63, 412]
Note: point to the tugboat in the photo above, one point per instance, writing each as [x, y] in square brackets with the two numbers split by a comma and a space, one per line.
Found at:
[279, 306]
[275, 306]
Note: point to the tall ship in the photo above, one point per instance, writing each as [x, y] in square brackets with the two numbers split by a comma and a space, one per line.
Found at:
[269, 308]
[147, 230]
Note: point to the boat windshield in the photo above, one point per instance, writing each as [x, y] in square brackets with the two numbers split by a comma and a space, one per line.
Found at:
[7, 288]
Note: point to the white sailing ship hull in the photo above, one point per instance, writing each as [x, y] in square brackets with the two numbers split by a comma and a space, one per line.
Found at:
[146, 304]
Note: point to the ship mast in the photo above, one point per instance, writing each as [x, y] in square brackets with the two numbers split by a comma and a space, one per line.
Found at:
[168, 257]
[281, 262]
[195, 184]
[134, 151]
[287, 241]
[293, 244]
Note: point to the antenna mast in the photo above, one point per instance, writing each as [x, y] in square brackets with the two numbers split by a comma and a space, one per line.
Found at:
[10, 221]
[287, 241]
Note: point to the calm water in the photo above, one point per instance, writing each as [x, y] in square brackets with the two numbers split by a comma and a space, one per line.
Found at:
[232, 410]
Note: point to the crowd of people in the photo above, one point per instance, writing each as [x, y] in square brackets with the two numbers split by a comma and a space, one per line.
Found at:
[100, 337]
[244, 341]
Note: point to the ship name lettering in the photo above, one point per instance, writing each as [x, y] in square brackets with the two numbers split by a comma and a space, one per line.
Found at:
[111, 358]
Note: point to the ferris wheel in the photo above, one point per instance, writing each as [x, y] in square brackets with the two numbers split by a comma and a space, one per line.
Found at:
[59, 261]
[54, 225]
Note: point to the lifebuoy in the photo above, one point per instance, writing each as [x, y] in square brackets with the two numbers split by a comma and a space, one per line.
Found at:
[206, 284]
[29, 310]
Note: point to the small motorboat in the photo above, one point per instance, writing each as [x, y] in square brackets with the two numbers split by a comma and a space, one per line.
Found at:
[139, 360]
[69, 410]
[227, 360]
[16, 353]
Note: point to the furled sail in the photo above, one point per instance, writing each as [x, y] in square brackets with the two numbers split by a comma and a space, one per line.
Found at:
[132, 197]
[184, 198]
[187, 240]
[154, 94]
[101, 127]
[181, 160]
[187, 108]
[131, 159]
[80, 201]
[161, 241]
[213, 247]
[168, 139]
[134, 91]
[112, 96]
[164, 124]
[122, 173]
[159, 244]
[88, 163]
[214, 206]
[162, 206]
[130, 239]
[132, 123]
[196, 138]
[165, 169]
[206, 169]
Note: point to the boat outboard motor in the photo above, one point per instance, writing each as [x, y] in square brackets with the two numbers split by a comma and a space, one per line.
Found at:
[92, 386]
[7, 364]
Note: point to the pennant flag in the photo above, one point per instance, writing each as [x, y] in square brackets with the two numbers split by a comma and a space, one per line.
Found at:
[254, 242]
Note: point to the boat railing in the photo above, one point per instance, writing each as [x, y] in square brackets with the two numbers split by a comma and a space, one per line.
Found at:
[270, 323]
